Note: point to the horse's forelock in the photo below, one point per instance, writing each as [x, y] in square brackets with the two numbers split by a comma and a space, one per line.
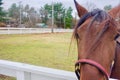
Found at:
[102, 15]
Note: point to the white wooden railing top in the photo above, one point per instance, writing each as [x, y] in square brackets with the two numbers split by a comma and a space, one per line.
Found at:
[13, 68]
[24, 71]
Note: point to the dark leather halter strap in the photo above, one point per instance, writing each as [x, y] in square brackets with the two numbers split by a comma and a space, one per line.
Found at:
[93, 63]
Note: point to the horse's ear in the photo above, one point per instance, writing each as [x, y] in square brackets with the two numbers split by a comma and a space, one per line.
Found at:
[81, 10]
[111, 12]
[114, 12]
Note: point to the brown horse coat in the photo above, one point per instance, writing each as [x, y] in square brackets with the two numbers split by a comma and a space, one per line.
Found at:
[101, 50]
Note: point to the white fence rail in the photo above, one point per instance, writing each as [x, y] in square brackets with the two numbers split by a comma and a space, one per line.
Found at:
[30, 30]
[23, 71]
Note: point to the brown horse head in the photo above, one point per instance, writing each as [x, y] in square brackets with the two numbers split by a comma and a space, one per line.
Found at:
[95, 34]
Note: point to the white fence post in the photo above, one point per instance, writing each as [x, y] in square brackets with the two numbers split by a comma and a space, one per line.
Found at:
[21, 30]
[8, 31]
[20, 75]
[30, 30]
[27, 75]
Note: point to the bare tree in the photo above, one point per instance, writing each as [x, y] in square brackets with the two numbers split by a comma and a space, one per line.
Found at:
[90, 6]
[30, 16]
[107, 7]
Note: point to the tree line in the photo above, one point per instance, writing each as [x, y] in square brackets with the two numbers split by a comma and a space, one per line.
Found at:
[29, 16]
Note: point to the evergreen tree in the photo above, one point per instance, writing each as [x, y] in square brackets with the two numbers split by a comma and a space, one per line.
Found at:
[0, 6]
[14, 11]
[2, 13]
[68, 18]
[107, 7]
[62, 16]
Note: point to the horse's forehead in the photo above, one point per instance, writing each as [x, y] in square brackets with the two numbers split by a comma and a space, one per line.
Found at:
[94, 24]
[95, 21]
[84, 26]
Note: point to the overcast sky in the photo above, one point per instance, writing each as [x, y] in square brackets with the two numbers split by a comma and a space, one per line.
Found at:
[38, 3]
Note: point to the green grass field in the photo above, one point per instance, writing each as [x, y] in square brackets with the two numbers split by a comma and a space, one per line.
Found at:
[49, 50]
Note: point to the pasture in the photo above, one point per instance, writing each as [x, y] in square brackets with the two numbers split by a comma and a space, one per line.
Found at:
[49, 50]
